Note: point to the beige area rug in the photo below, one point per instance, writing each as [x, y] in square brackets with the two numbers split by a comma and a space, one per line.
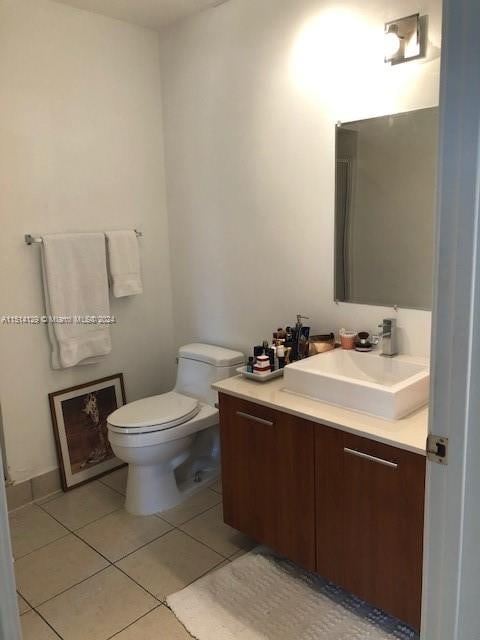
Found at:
[263, 597]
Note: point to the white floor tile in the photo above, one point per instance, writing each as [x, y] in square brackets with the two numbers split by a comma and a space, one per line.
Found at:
[34, 628]
[159, 624]
[32, 528]
[120, 533]
[79, 507]
[169, 563]
[193, 506]
[98, 607]
[117, 480]
[48, 571]
[210, 529]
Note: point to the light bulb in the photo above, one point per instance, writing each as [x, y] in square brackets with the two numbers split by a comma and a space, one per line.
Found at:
[391, 44]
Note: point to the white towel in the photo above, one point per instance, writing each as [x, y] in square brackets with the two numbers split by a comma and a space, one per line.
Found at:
[75, 285]
[124, 262]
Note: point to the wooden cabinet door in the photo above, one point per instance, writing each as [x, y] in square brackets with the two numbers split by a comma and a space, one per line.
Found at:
[295, 490]
[329, 503]
[370, 536]
[268, 477]
[248, 468]
[384, 513]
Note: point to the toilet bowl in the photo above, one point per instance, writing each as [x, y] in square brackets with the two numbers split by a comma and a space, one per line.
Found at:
[170, 441]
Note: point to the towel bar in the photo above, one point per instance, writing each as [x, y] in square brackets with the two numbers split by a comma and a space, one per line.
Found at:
[29, 239]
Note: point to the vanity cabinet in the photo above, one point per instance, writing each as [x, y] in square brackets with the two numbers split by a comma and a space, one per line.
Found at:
[369, 520]
[347, 507]
[268, 477]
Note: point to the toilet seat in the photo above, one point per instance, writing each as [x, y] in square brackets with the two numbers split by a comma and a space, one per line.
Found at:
[156, 413]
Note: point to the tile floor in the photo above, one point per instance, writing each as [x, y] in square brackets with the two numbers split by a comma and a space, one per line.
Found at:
[87, 570]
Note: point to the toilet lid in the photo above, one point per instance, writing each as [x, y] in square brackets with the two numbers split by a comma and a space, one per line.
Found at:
[163, 412]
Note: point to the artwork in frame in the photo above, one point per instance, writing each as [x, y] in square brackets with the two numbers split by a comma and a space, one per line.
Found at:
[79, 416]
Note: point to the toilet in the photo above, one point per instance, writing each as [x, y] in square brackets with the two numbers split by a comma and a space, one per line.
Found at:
[171, 441]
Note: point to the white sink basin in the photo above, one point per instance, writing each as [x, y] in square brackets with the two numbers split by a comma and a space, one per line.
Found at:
[390, 388]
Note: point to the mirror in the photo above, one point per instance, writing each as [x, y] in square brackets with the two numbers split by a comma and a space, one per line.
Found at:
[385, 209]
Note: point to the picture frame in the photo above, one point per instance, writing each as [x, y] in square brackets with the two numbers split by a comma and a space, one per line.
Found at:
[79, 417]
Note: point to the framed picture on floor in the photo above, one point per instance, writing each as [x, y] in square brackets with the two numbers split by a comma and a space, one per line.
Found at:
[79, 416]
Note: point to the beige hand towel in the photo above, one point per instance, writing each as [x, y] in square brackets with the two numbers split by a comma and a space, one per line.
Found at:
[124, 262]
[76, 288]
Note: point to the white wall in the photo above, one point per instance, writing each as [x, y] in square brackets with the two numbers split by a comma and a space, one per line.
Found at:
[80, 149]
[251, 93]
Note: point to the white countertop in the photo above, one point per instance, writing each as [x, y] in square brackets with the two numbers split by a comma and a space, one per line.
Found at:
[409, 433]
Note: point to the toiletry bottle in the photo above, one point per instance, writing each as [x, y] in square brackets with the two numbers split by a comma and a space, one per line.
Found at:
[257, 351]
[281, 356]
[250, 364]
[271, 355]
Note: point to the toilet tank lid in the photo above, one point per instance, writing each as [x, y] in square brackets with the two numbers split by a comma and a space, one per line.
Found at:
[211, 354]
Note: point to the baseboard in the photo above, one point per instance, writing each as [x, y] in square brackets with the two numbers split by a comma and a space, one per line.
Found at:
[18, 495]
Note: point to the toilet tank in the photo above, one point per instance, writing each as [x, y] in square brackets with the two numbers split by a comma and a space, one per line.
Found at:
[200, 365]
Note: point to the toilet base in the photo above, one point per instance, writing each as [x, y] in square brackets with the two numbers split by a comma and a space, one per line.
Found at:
[150, 489]
[163, 474]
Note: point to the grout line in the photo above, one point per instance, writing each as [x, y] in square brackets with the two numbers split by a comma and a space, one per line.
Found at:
[112, 564]
[48, 624]
[40, 604]
[205, 573]
[138, 548]
[12, 512]
[180, 524]
[138, 584]
[83, 525]
[48, 497]
[186, 585]
[64, 535]
[180, 622]
[204, 544]
[19, 594]
[173, 527]
[135, 621]
[226, 557]
[113, 489]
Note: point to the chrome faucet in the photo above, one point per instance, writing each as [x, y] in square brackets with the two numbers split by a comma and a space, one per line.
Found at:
[389, 337]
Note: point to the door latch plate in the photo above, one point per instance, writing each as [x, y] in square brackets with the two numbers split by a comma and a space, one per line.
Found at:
[437, 449]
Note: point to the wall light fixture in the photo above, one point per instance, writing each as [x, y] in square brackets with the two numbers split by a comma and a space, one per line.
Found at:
[404, 39]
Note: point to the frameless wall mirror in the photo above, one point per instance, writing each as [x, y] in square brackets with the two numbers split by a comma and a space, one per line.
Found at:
[385, 209]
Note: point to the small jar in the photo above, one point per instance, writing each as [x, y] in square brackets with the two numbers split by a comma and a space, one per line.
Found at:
[347, 339]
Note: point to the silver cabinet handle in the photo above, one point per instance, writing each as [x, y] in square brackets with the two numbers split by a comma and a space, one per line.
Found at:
[366, 456]
[248, 416]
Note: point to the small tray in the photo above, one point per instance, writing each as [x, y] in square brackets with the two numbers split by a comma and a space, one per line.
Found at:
[260, 378]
